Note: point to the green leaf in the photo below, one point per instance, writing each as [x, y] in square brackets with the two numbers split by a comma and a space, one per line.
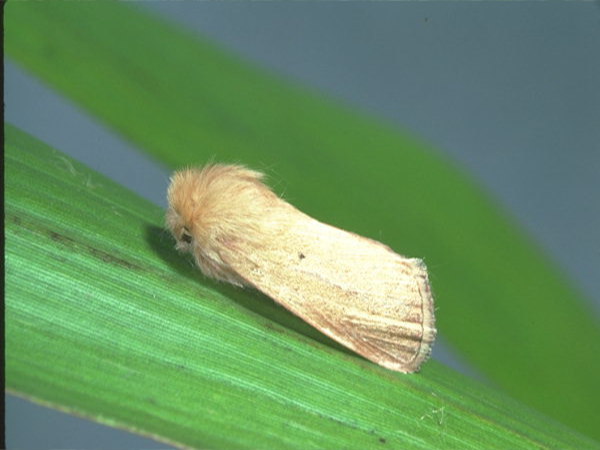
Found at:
[499, 302]
[105, 320]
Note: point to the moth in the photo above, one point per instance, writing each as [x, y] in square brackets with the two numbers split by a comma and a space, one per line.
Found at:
[351, 288]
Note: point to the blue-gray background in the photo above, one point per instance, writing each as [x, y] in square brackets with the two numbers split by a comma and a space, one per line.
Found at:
[510, 91]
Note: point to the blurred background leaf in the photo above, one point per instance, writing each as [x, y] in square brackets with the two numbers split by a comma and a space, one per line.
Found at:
[500, 304]
[105, 320]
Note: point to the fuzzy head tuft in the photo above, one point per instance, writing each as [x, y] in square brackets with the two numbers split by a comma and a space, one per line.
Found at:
[215, 206]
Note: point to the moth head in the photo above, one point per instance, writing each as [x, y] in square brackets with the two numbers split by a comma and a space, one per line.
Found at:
[214, 208]
[216, 204]
[184, 240]
[184, 212]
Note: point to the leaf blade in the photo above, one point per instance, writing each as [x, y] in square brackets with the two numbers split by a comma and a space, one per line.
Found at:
[108, 322]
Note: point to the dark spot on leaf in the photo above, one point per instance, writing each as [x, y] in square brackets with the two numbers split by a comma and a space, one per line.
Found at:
[382, 440]
[15, 219]
[59, 237]
[110, 259]
[74, 244]
[301, 255]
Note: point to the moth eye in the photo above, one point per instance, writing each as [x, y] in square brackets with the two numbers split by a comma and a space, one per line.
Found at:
[186, 236]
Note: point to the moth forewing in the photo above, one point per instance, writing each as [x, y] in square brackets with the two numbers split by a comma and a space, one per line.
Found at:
[353, 289]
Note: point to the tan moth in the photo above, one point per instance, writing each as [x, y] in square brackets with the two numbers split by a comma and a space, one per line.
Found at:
[353, 289]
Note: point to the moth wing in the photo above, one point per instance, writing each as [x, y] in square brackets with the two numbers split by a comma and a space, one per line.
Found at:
[355, 290]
